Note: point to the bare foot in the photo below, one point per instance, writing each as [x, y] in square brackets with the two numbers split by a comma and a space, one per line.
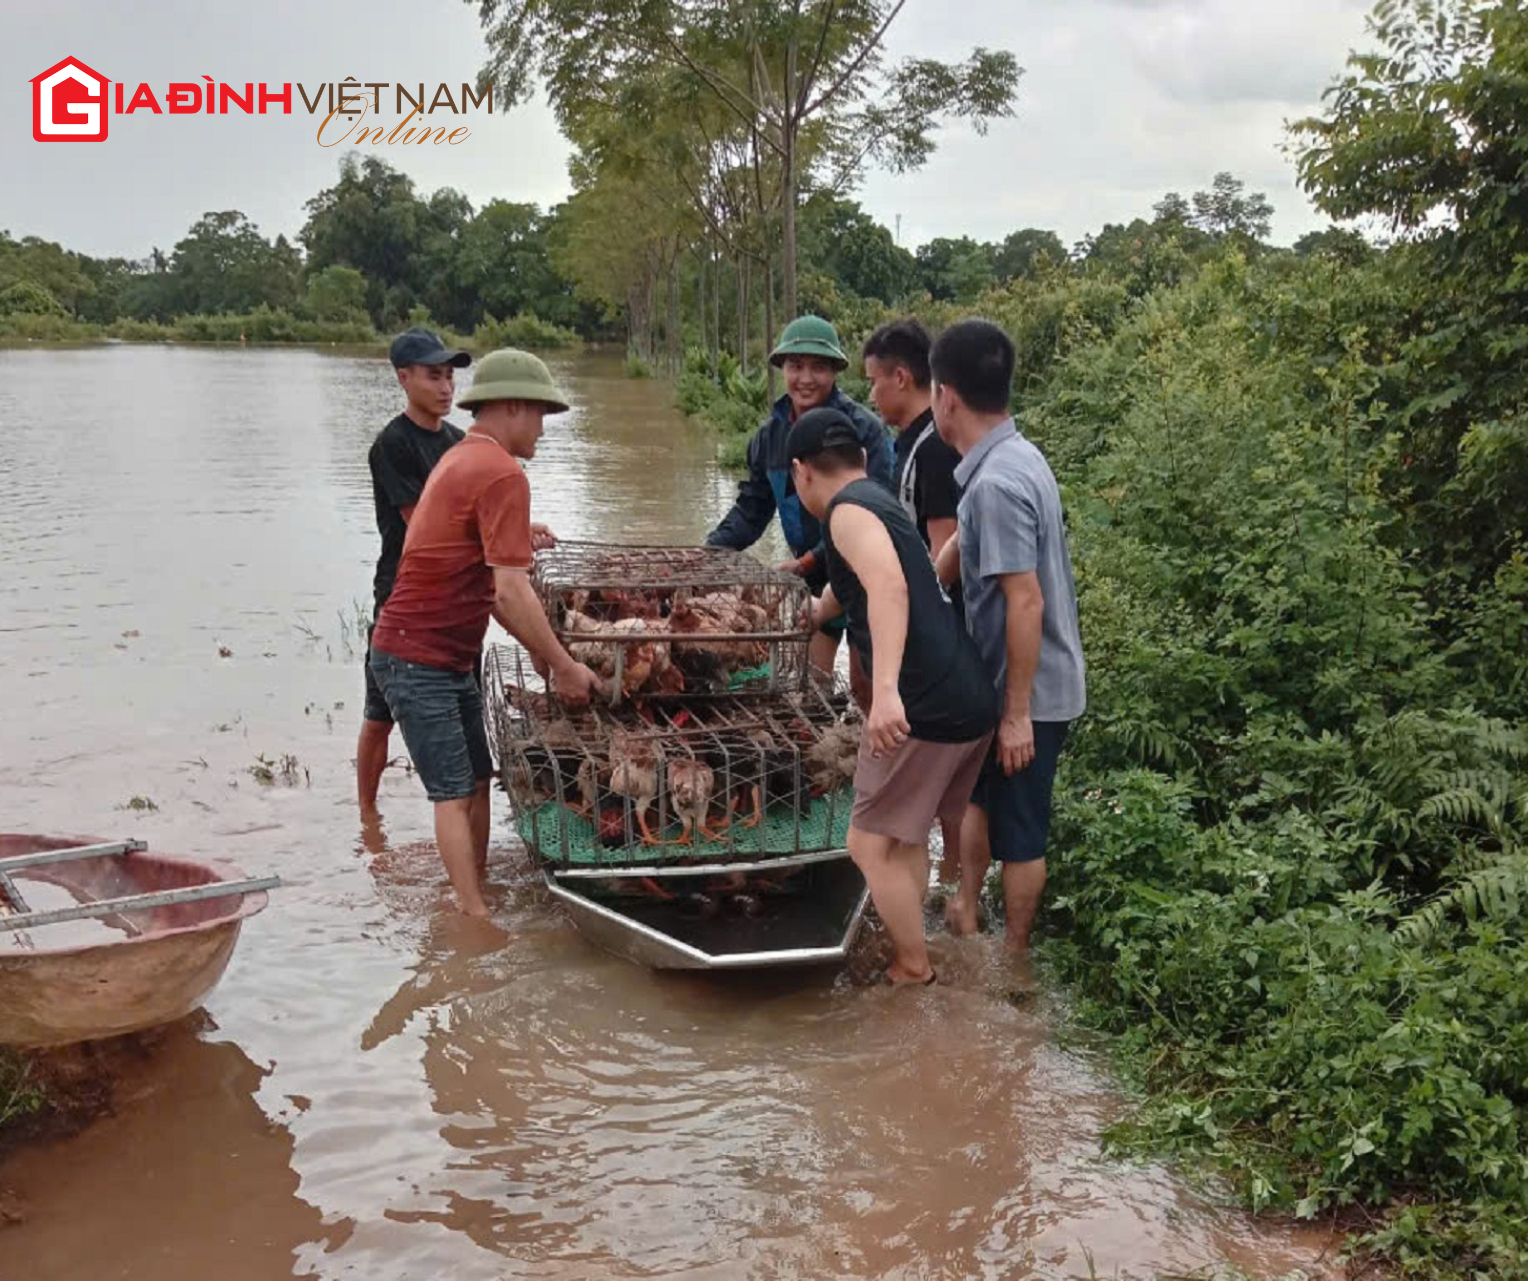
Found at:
[899, 977]
[960, 917]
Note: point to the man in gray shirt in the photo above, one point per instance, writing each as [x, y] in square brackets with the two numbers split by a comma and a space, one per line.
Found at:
[1010, 553]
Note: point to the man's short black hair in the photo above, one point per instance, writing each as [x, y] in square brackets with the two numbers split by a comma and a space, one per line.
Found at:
[975, 358]
[905, 343]
[837, 459]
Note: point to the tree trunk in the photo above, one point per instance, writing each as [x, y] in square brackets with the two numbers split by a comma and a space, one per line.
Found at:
[716, 306]
[700, 296]
[769, 320]
[742, 313]
[789, 125]
[674, 336]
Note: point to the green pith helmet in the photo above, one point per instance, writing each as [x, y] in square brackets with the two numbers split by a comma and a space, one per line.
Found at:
[511, 374]
[809, 336]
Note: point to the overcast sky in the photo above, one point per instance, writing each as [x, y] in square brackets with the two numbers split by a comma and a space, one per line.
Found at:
[1122, 100]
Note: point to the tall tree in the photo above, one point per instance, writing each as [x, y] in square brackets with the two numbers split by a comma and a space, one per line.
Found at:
[1426, 133]
[372, 220]
[224, 264]
[794, 74]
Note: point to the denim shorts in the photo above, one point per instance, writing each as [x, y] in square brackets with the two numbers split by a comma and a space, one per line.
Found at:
[375, 707]
[1018, 805]
[441, 715]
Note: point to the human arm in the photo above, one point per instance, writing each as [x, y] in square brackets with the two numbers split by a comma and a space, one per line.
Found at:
[752, 509]
[947, 562]
[865, 545]
[503, 515]
[938, 494]
[1005, 551]
[1026, 608]
[825, 608]
[941, 530]
[518, 611]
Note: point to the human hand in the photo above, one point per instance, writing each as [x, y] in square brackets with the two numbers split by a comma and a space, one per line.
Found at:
[886, 727]
[576, 684]
[1015, 743]
[542, 538]
[791, 567]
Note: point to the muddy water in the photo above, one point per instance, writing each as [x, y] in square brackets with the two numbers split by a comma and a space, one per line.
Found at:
[378, 1089]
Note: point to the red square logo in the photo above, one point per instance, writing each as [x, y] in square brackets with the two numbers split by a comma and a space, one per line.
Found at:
[69, 103]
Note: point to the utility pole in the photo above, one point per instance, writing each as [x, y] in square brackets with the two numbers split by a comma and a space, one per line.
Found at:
[897, 237]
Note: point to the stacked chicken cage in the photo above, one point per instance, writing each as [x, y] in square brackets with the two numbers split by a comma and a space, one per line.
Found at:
[716, 744]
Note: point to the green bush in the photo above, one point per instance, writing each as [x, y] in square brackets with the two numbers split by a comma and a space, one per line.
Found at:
[1292, 829]
[28, 298]
[523, 330]
[722, 397]
[47, 327]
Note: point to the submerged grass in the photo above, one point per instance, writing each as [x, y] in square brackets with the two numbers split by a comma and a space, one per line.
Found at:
[19, 1096]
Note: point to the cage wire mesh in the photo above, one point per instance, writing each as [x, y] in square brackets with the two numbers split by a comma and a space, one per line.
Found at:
[731, 779]
[677, 622]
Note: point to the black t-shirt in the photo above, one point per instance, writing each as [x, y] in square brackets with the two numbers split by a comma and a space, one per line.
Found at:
[401, 459]
[925, 479]
[946, 692]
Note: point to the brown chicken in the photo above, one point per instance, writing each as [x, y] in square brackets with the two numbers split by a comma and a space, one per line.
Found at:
[640, 661]
[634, 775]
[720, 613]
[691, 783]
[832, 758]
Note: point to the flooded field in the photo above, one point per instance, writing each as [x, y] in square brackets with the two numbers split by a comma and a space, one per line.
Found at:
[379, 1089]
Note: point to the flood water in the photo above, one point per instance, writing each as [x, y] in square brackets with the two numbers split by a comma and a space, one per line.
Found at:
[379, 1089]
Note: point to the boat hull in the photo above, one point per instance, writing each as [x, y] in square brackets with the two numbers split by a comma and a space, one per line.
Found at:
[815, 925]
[156, 966]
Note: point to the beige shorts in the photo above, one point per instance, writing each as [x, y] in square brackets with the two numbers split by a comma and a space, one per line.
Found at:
[900, 795]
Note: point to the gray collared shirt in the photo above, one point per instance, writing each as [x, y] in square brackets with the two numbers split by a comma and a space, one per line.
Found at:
[1010, 522]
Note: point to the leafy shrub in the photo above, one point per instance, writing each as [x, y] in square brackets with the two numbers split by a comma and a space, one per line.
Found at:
[1294, 823]
[522, 330]
[28, 298]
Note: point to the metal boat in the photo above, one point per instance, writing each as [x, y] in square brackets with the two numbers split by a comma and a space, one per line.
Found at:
[690, 918]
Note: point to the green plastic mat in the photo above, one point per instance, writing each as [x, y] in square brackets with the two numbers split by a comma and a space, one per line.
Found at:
[825, 826]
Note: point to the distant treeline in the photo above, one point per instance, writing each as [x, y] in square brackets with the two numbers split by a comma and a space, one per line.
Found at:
[375, 255]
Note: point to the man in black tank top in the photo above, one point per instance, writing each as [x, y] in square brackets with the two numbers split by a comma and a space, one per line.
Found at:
[933, 706]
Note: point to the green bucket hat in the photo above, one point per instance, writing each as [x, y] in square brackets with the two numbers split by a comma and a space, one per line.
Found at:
[809, 336]
[511, 374]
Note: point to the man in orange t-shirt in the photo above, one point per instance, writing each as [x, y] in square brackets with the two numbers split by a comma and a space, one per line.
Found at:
[466, 558]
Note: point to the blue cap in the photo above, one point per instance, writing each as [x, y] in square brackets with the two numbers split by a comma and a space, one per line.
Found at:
[418, 346]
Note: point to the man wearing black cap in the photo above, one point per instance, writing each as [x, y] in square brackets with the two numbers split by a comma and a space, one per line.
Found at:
[933, 706]
[401, 458]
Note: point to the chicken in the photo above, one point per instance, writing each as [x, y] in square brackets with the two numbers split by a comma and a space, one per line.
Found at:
[639, 661]
[832, 758]
[634, 775]
[724, 613]
[754, 765]
[588, 782]
[691, 783]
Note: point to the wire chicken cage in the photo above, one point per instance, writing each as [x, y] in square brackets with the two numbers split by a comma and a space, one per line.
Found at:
[729, 780]
[677, 623]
